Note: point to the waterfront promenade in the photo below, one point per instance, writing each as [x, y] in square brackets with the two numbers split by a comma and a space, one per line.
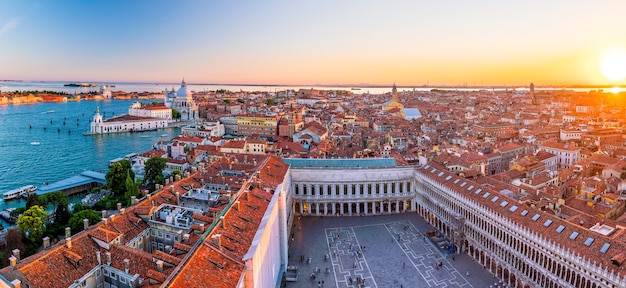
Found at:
[385, 251]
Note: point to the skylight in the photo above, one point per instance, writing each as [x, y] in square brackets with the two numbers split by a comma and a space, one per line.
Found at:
[433, 171]
[486, 195]
[440, 174]
[605, 247]
[463, 184]
[513, 208]
[535, 217]
[448, 178]
[478, 191]
[427, 166]
[589, 241]
[574, 235]
[504, 203]
[456, 181]
[560, 229]
[470, 188]
[495, 199]
[547, 223]
[524, 212]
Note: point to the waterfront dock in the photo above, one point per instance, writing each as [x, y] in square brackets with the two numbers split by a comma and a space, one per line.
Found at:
[83, 182]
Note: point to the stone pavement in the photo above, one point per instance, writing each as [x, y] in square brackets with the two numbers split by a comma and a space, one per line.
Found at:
[376, 251]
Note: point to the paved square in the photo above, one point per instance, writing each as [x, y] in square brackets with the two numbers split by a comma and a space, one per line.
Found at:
[376, 251]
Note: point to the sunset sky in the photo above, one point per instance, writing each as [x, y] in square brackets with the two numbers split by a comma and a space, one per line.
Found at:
[315, 42]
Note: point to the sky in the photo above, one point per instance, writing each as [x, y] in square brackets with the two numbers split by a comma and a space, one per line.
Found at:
[473, 43]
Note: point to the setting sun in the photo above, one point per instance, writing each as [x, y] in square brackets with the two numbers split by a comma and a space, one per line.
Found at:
[613, 64]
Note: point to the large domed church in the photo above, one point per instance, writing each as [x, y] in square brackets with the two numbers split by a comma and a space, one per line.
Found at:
[182, 101]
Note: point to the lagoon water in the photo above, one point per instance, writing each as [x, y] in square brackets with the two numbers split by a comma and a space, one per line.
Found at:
[37, 155]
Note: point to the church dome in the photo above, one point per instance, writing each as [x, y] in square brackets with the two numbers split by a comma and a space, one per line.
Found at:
[183, 92]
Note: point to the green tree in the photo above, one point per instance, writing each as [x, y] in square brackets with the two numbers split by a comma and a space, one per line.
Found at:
[132, 189]
[32, 200]
[76, 221]
[270, 102]
[177, 172]
[154, 172]
[227, 101]
[116, 176]
[80, 207]
[33, 222]
[61, 213]
[175, 114]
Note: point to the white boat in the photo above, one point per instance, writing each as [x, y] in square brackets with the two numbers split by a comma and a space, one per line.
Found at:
[34, 143]
[17, 193]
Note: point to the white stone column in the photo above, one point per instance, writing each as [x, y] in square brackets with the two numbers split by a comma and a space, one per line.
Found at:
[325, 191]
[317, 208]
[350, 208]
[398, 206]
[358, 208]
[334, 209]
[341, 208]
[301, 208]
[389, 206]
[381, 207]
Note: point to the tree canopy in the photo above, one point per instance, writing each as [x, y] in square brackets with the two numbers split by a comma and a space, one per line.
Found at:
[175, 114]
[76, 221]
[116, 176]
[32, 222]
[61, 213]
[132, 189]
[154, 172]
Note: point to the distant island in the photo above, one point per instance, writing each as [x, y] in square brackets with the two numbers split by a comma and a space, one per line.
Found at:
[79, 85]
[84, 85]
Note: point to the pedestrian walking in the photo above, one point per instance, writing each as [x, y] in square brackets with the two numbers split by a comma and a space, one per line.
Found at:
[403, 265]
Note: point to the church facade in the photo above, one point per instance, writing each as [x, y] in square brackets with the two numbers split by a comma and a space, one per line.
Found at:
[183, 102]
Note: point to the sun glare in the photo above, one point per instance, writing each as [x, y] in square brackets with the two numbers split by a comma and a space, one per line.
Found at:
[613, 64]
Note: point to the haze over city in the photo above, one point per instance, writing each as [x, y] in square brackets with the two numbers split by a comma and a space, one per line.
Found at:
[471, 43]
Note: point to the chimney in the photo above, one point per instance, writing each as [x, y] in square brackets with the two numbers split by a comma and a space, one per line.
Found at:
[68, 241]
[16, 254]
[238, 205]
[180, 235]
[127, 265]
[177, 198]
[104, 214]
[68, 232]
[159, 264]
[245, 195]
[167, 181]
[46, 242]
[119, 206]
[202, 227]
[223, 219]
[133, 200]
[98, 257]
[219, 240]
[186, 238]
[85, 224]
[13, 261]
[172, 188]
[16, 283]
[122, 211]
[107, 255]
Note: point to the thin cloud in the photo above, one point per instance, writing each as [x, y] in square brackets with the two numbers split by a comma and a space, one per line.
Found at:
[7, 27]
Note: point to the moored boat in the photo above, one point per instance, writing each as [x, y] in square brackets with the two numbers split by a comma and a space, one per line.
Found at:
[17, 193]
